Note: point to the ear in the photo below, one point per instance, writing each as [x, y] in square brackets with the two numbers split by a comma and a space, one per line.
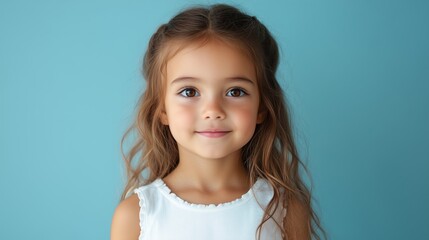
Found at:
[261, 116]
[164, 118]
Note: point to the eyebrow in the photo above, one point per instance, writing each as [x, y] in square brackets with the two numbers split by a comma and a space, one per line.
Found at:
[238, 78]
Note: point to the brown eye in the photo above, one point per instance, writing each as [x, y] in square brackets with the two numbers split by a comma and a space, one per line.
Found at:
[236, 92]
[189, 92]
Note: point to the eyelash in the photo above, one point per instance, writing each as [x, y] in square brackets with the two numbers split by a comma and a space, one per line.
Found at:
[242, 92]
[183, 91]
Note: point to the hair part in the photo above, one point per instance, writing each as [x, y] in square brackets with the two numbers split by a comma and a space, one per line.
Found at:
[270, 154]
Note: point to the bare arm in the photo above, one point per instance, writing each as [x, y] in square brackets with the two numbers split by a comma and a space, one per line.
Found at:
[125, 222]
[297, 221]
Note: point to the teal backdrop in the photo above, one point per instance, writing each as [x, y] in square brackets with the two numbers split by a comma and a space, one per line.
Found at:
[356, 75]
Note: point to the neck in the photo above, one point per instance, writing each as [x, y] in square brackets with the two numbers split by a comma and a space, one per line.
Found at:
[210, 174]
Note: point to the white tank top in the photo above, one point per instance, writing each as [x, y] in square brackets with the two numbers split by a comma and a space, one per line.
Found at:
[165, 216]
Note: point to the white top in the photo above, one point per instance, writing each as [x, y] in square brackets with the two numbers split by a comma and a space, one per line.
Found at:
[163, 215]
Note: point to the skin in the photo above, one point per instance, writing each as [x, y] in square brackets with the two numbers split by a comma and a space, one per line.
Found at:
[212, 108]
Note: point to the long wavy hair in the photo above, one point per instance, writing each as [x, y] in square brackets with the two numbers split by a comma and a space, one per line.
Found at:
[271, 153]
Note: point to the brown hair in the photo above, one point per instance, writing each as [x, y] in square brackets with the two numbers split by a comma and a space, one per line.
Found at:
[270, 154]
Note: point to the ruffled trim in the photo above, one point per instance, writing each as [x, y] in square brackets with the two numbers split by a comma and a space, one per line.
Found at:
[199, 206]
[142, 211]
[283, 216]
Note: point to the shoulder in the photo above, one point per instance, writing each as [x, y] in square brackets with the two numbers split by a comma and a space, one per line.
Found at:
[125, 222]
[128, 214]
[263, 192]
[297, 219]
[296, 215]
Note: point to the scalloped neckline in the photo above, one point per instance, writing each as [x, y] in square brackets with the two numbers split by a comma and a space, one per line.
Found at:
[172, 196]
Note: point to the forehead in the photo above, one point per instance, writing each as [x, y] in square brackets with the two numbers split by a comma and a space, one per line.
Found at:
[209, 59]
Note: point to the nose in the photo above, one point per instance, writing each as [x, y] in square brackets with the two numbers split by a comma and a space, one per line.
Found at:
[213, 109]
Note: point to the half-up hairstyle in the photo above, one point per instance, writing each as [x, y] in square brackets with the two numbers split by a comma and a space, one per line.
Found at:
[271, 153]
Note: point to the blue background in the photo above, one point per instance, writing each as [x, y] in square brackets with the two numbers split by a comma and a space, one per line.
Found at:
[356, 74]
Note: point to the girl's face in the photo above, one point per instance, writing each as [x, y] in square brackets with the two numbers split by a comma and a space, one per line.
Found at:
[212, 101]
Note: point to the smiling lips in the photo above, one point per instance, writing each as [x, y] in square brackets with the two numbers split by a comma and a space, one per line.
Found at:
[213, 133]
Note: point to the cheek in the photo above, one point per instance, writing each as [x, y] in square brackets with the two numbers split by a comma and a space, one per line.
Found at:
[245, 117]
[180, 117]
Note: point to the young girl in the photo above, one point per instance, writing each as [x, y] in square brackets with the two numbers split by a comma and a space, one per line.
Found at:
[214, 136]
